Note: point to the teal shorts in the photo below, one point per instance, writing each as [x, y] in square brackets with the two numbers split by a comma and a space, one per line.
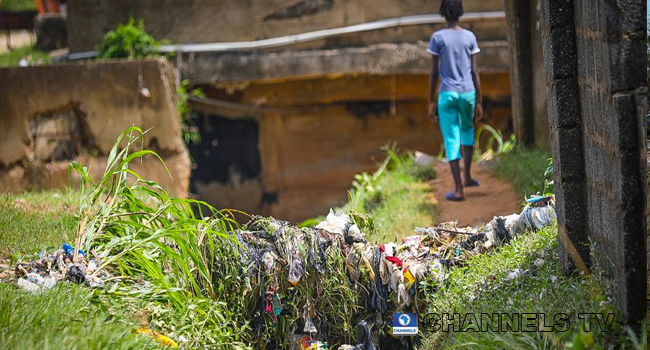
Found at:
[456, 115]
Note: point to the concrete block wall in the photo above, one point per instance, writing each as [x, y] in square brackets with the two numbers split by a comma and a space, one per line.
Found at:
[527, 77]
[594, 55]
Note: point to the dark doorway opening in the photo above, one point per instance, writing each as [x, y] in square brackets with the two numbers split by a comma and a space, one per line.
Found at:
[227, 153]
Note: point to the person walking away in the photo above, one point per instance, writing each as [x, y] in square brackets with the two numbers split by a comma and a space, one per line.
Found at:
[459, 102]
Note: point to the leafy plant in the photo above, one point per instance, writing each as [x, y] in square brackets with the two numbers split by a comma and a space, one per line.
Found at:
[549, 183]
[129, 40]
[138, 231]
[490, 150]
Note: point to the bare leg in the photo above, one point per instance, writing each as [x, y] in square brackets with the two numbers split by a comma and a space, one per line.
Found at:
[467, 152]
[455, 172]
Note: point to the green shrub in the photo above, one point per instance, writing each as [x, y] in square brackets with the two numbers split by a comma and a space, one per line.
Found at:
[128, 41]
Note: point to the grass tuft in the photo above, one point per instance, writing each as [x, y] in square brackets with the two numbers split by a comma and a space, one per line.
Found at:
[484, 286]
[524, 169]
[63, 318]
[397, 198]
[12, 57]
[36, 221]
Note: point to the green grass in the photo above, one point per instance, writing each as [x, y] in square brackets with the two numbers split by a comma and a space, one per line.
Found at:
[63, 318]
[36, 221]
[17, 5]
[483, 286]
[398, 199]
[12, 57]
[523, 168]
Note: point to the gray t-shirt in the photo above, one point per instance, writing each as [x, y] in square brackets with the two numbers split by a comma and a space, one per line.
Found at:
[455, 48]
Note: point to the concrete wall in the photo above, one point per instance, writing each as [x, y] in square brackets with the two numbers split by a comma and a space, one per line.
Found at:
[50, 115]
[530, 114]
[234, 20]
[594, 52]
[316, 133]
[378, 59]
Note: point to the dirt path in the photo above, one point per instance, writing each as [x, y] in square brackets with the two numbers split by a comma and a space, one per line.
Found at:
[494, 197]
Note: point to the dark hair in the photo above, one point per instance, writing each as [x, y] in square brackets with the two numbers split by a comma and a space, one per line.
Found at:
[451, 10]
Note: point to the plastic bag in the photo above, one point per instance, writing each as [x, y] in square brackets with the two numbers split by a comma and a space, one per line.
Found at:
[380, 290]
[310, 327]
[364, 336]
[335, 222]
[296, 270]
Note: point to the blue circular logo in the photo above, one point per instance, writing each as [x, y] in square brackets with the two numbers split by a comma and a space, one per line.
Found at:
[404, 320]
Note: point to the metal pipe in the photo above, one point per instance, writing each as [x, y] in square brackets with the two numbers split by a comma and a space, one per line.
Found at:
[309, 36]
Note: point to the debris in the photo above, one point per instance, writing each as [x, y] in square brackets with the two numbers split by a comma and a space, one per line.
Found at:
[305, 342]
[516, 273]
[27, 285]
[335, 222]
[534, 217]
[309, 323]
[76, 274]
[409, 280]
[364, 336]
[423, 159]
[48, 270]
[380, 291]
[395, 260]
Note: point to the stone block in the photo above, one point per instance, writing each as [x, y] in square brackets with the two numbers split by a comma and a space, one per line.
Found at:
[623, 16]
[626, 56]
[561, 12]
[560, 53]
[568, 153]
[564, 102]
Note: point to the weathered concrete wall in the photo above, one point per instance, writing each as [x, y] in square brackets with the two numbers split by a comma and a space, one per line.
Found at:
[50, 115]
[594, 52]
[316, 133]
[234, 20]
[379, 59]
[530, 114]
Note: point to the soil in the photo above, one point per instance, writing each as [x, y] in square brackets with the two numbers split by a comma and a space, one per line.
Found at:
[493, 198]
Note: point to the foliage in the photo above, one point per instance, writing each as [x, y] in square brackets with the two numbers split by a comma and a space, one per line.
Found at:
[484, 286]
[141, 232]
[63, 318]
[549, 182]
[494, 146]
[129, 40]
[190, 134]
[17, 5]
[526, 169]
[13, 57]
[396, 197]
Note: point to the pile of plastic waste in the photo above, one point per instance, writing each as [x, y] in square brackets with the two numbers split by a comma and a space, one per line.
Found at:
[60, 265]
[289, 268]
